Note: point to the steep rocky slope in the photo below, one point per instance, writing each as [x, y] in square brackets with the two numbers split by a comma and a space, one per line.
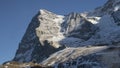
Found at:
[74, 40]
[38, 42]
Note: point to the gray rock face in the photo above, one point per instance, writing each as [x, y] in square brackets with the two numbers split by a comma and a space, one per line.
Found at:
[116, 16]
[37, 43]
[28, 42]
[77, 26]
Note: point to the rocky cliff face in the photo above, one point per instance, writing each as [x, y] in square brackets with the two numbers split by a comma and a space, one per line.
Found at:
[54, 32]
[80, 37]
[41, 38]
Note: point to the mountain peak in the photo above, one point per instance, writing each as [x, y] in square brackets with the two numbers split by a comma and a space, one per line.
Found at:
[108, 8]
[44, 11]
[48, 33]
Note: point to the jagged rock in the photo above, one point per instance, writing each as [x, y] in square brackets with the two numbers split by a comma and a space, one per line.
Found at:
[38, 42]
[49, 32]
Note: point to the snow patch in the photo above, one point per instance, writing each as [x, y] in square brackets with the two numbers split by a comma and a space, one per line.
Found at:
[94, 20]
[116, 8]
[42, 11]
[59, 19]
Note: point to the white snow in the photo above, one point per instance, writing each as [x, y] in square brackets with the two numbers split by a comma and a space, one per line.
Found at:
[94, 20]
[71, 53]
[116, 5]
[6, 66]
[108, 31]
[59, 19]
[116, 8]
[42, 11]
[58, 38]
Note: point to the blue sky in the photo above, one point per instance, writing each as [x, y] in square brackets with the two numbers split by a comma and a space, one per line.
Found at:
[15, 15]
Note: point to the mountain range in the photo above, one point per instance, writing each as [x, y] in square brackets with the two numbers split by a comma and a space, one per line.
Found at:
[76, 40]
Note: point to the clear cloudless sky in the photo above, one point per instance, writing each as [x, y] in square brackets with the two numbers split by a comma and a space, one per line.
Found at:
[15, 15]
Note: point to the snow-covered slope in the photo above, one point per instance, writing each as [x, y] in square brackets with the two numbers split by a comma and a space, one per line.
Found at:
[48, 33]
[85, 57]
[107, 33]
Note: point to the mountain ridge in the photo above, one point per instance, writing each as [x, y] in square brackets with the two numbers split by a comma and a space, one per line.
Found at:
[51, 38]
[72, 30]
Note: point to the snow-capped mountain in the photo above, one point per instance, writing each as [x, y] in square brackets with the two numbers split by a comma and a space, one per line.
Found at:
[73, 40]
[43, 32]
